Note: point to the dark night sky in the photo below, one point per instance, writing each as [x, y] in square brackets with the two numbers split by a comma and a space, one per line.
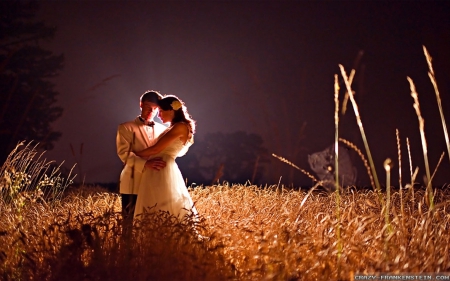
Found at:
[262, 67]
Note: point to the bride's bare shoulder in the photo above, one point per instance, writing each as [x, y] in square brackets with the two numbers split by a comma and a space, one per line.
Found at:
[182, 129]
[181, 126]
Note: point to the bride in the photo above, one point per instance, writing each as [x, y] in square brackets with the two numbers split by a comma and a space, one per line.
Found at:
[166, 189]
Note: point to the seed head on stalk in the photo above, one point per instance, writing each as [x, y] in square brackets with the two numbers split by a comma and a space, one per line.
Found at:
[361, 128]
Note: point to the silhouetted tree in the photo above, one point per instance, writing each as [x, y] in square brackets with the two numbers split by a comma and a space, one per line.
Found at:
[27, 96]
[240, 155]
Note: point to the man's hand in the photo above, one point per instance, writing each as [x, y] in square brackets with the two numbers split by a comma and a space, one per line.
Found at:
[155, 163]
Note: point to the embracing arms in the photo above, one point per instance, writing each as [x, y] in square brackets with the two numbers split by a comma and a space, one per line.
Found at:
[178, 130]
[124, 140]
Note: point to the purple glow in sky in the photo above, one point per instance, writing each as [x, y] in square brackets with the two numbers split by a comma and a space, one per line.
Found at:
[259, 66]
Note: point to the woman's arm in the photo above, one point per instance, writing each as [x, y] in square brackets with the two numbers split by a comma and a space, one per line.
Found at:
[179, 130]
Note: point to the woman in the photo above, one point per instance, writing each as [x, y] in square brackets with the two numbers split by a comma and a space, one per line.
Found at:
[167, 190]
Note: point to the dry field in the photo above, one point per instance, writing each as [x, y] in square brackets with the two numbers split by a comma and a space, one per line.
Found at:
[50, 230]
[254, 233]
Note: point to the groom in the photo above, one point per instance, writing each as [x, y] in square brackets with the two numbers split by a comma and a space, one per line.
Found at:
[134, 136]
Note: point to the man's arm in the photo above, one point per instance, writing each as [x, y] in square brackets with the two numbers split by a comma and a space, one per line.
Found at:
[124, 141]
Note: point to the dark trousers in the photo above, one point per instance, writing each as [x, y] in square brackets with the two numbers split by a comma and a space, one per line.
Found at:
[128, 205]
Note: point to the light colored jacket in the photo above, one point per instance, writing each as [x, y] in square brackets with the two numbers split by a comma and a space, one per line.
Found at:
[132, 137]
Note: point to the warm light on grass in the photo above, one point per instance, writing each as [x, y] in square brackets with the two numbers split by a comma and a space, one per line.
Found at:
[244, 232]
[361, 128]
[416, 106]
[388, 167]
[26, 173]
[438, 97]
[336, 170]
[308, 174]
[256, 233]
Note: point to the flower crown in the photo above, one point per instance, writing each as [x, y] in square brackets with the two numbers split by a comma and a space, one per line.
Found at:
[176, 105]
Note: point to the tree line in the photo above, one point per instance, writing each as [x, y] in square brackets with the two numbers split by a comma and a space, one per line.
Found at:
[235, 157]
[28, 98]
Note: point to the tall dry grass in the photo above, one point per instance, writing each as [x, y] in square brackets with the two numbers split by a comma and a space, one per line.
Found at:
[26, 172]
[254, 233]
[81, 239]
[244, 232]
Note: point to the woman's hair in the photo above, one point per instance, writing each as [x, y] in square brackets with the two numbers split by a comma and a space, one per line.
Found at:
[171, 102]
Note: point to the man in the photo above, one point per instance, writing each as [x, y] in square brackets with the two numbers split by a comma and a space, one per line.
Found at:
[134, 136]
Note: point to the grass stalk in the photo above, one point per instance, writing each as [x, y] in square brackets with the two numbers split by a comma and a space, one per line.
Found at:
[346, 96]
[437, 166]
[336, 169]
[410, 169]
[295, 166]
[361, 155]
[397, 134]
[388, 166]
[361, 128]
[400, 174]
[416, 105]
[387, 224]
[336, 132]
[438, 97]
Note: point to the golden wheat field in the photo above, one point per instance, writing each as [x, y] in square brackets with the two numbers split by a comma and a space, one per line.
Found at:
[52, 230]
[253, 233]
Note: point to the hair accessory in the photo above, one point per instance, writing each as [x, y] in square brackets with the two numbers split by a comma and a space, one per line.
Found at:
[175, 105]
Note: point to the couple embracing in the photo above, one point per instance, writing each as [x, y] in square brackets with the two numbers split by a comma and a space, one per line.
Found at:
[150, 179]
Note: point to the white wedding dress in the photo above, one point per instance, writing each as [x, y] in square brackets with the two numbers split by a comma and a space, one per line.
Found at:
[165, 189]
